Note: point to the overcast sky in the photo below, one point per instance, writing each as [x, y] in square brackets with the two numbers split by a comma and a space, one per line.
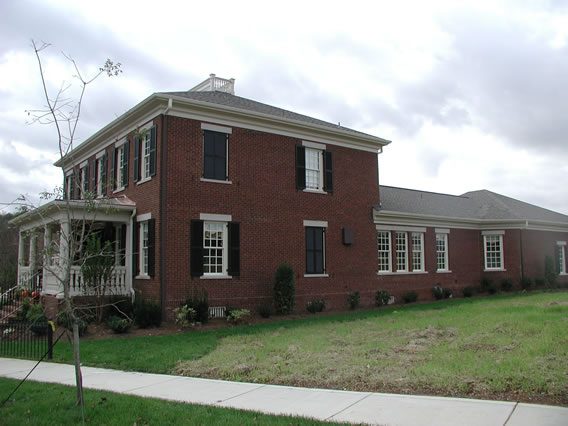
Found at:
[474, 95]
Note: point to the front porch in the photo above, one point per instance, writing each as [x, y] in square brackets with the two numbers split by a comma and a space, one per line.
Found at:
[53, 251]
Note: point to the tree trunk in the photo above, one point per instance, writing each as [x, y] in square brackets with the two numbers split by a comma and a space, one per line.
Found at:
[78, 375]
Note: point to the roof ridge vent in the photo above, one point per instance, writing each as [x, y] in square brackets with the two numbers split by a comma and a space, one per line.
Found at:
[215, 84]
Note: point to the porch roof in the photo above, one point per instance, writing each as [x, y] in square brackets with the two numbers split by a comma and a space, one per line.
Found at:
[117, 209]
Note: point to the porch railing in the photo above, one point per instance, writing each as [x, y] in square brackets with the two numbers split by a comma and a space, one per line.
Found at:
[29, 279]
[117, 284]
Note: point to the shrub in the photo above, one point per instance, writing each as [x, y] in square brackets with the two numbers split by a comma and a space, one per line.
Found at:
[353, 299]
[238, 316]
[118, 325]
[382, 298]
[410, 297]
[468, 292]
[316, 305]
[550, 273]
[506, 284]
[284, 289]
[265, 310]
[147, 313]
[199, 301]
[438, 292]
[488, 285]
[121, 306]
[24, 308]
[64, 320]
[36, 317]
[447, 293]
[228, 310]
[186, 316]
[526, 283]
[539, 282]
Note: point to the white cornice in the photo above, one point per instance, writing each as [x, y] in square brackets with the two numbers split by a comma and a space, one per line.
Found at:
[408, 219]
[159, 103]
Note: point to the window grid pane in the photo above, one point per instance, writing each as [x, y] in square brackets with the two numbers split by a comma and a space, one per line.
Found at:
[400, 242]
[313, 169]
[99, 176]
[144, 243]
[146, 159]
[120, 168]
[384, 254]
[562, 259]
[417, 251]
[493, 252]
[441, 252]
[213, 248]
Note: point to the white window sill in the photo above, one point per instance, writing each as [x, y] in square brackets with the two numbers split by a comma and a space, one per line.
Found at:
[563, 274]
[140, 182]
[142, 277]
[314, 191]
[118, 190]
[495, 270]
[215, 277]
[402, 273]
[227, 182]
[444, 271]
[316, 275]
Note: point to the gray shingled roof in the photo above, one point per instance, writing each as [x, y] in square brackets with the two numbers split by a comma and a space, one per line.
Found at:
[477, 205]
[226, 99]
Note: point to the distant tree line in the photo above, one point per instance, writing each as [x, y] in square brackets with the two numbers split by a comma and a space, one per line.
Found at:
[8, 252]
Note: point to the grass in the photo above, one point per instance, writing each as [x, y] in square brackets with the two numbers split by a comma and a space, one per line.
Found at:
[47, 404]
[502, 347]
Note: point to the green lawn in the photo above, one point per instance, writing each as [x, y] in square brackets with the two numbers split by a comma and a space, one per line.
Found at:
[47, 404]
[504, 347]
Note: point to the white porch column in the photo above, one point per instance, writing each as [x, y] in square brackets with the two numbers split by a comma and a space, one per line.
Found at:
[47, 238]
[33, 262]
[64, 243]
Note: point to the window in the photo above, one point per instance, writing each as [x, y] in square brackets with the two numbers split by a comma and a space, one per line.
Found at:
[400, 252]
[442, 252]
[144, 243]
[215, 146]
[145, 155]
[69, 190]
[84, 181]
[144, 248]
[493, 247]
[315, 250]
[561, 250]
[314, 167]
[384, 250]
[119, 166]
[215, 246]
[417, 252]
[100, 178]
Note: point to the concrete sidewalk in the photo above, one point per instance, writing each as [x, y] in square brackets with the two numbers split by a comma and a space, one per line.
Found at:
[322, 404]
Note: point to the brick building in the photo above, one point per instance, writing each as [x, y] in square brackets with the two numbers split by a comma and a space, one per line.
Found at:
[205, 189]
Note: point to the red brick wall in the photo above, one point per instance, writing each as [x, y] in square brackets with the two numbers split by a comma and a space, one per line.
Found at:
[264, 199]
[537, 245]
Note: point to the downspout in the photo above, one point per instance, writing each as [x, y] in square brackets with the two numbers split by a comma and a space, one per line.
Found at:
[163, 213]
[130, 243]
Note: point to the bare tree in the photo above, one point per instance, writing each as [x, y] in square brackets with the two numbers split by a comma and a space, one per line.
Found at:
[64, 113]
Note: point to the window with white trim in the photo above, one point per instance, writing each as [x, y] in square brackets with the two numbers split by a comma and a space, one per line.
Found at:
[384, 250]
[144, 245]
[493, 247]
[442, 252]
[314, 175]
[69, 190]
[214, 248]
[401, 245]
[315, 250]
[417, 251]
[120, 169]
[561, 257]
[146, 155]
[84, 181]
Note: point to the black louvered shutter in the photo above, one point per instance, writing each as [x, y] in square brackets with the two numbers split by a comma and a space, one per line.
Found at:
[136, 158]
[300, 167]
[151, 247]
[87, 179]
[196, 248]
[135, 249]
[113, 170]
[328, 165]
[234, 249]
[94, 177]
[557, 262]
[153, 151]
[125, 164]
[72, 183]
[65, 187]
[104, 159]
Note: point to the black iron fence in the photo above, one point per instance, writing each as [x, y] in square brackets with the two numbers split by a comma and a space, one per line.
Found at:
[24, 339]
